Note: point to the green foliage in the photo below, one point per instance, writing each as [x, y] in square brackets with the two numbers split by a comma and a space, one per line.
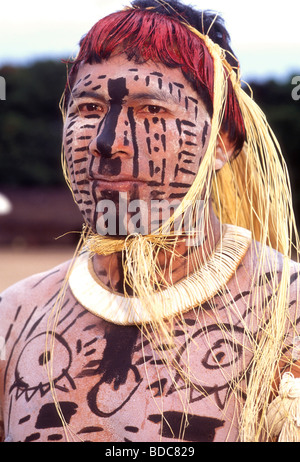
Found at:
[31, 124]
[283, 115]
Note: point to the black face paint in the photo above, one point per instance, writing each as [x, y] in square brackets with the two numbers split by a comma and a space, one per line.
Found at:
[200, 428]
[204, 134]
[132, 123]
[110, 166]
[117, 91]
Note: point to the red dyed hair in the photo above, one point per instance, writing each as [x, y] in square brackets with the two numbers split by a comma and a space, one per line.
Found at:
[148, 35]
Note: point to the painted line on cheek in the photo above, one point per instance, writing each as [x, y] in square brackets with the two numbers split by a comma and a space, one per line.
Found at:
[185, 153]
[148, 141]
[92, 116]
[147, 126]
[188, 133]
[180, 185]
[188, 172]
[178, 124]
[78, 161]
[163, 171]
[204, 134]
[186, 103]
[177, 195]
[134, 142]
[87, 126]
[80, 172]
[94, 195]
[84, 148]
[163, 140]
[71, 124]
[163, 124]
[151, 168]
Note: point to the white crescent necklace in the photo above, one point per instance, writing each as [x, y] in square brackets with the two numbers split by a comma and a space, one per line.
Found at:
[188, 293]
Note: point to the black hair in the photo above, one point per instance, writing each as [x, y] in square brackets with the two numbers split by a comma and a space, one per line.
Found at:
[207, 22]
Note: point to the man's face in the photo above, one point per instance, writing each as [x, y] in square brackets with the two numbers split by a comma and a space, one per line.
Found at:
[134, 134]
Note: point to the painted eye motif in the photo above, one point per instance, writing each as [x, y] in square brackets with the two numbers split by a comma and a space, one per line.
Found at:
[223, 353]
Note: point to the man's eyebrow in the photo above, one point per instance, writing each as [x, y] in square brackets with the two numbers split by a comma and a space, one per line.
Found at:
[77, 94]
[157, 96]
[160, 96]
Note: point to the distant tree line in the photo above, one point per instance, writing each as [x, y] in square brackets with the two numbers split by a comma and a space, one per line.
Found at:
[31, 124]
[282, 110]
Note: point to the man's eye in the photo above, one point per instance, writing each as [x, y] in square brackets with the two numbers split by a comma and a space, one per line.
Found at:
[90, 107]
[153, 109]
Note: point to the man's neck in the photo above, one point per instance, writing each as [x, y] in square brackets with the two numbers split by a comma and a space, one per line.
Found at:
[176, 266]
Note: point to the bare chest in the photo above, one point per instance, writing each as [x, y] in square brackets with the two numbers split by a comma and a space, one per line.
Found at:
[111, 384]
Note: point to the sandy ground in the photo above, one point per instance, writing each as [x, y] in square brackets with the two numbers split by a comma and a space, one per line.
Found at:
[18, 263]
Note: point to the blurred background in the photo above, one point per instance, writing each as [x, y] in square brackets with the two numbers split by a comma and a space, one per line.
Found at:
[39, 222]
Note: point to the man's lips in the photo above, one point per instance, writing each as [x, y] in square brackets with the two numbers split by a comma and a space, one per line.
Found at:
[116, 182]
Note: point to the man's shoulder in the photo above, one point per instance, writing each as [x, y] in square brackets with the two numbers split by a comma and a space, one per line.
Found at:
[35, 289]
[273, 257]
[271, 261]
[43, 280]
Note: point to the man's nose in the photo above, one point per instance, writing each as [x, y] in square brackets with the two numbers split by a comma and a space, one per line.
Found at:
[113, 135]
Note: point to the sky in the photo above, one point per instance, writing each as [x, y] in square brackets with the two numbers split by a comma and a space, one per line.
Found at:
[264, 36]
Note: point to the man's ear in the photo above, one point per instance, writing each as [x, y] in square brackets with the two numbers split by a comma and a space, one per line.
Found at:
[224, 150]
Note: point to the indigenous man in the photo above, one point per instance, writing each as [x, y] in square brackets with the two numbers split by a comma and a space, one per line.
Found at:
[162, 328]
